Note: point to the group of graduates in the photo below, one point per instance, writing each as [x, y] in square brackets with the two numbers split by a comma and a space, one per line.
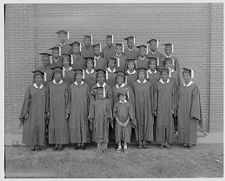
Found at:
[89, 94]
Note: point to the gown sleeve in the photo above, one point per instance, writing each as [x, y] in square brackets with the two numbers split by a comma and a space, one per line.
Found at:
[25, 107]
[196, 112]
[67, 102]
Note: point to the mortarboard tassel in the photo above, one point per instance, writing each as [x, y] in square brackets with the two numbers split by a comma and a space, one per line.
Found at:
[94, 62]
[157, 61]
[71, 59]
[50, 59]
[103, 91]
[63, 71]
[172, 48]
[91, 39]
[60, 53]
[83, 74]
[125, 79]
[80, 47]
[157, 43]
[172, 61]
[122, 47]
[147, 50]
[128, 95]
[192, 74]
[112, 38]
[169, 72]
[134, 39]
[45, 76]
[118, 62]
[100, 46]
[68, 35]
[147, 74]
[107, 75]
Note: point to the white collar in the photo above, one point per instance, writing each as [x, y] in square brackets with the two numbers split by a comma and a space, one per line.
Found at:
[98, 85]
[153, 52]
[62, 44]
[96, 58]
[191, 82]
[70, 68]
[130, 49]
[122, 85]
[131, 73]
[56, 59]
[142, 82]
[118, 55]
[112, 71]
[61, 81]
[169, 56]
[171, 69]
[168, 80]
[35, 85]
[123, 101]
[149, 71]
[92, 70]
[82, 82]
[142, 58]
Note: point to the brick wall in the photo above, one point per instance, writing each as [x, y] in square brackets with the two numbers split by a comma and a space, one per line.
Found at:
[30, 29]
[216, 68]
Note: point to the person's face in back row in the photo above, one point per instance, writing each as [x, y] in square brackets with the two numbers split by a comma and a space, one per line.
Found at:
[87, 41]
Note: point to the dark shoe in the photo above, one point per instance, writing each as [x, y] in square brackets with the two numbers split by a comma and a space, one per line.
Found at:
[55, 148]
[77, 147]
[167, 145]
[60, 148]
[83, 147]
[33, 148]
[162, 145]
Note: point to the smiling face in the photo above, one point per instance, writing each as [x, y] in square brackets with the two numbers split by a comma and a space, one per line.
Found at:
[131, 66]
[78, 77]
[38, 79]
[141, 75]
[168, 50]
[142, 51]
[153, 45]
[97, 50]
[120, 80]
[186, 77]
[130, 43]
[89, 64]
[100, 78]
[118, 49]
[76, 48]
[164, 75]
[57, 76]
[87, 41]
[152, 65]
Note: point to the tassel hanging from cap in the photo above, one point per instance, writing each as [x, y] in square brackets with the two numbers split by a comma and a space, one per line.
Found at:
[91, 39]
[50, 59]
[71, 59]
[172, 61]
[122, 47]
[192, 74]
[128, 95]
[94, 62]
[45, 76]
[80, 46]
[125, 80]
[104, 91]
[147, 74]
[60, 52]
[157, 43]
[63, 71]
[83, 74]
[106, 75]
[68, 35]
[134, 39]
[172, 48]
[169, 72]
[118, 62]
[147, 50]
[100, 46]
[157, 61]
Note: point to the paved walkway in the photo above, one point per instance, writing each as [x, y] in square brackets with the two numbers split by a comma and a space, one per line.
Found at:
[214, 137]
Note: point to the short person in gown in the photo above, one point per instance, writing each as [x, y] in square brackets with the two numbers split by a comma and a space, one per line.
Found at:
[189, 110]
[34, 113]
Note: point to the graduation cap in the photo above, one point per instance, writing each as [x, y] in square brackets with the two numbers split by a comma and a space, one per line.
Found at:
[120, 72]
[143, 45]
[45, 54]
[156, 40]
[130, 37]
[76, 43]
[56, 68]
[156, 59]
[54, 48]
[63, 32]
[132, 60]
[163, 69]
[89, 36]
[112, 58]
[189, 71]
[100, 70]
[120, 44]
[79, 71]
[123, 92]
[98, 45]
[169, 45]
[141, 69]
[37, 72]
[110, 36]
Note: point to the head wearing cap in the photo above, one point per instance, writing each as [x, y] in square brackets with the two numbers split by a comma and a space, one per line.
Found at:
[155, 59]
[110, 36]
[76, 43]
[98, 45]
[121, 45]
[155, 40]
[130, 37]
[163, 69]
[122, 92]
[169, 45]
[132, 60]
[189, 71]
[88, 36]
[63, 32]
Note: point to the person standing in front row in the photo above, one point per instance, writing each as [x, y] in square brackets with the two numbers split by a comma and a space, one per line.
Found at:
[131, 51]
[123, 112]
[165, 108]
[143, 109]
[34, 113]
[100, 116]
[189, 110]
[79, 108]
[58, 99]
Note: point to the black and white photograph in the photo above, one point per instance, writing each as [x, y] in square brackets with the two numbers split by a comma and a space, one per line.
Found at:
[113, 90]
